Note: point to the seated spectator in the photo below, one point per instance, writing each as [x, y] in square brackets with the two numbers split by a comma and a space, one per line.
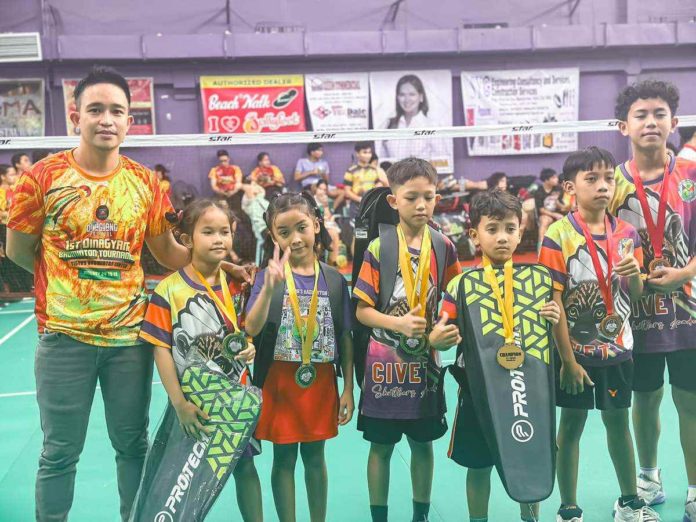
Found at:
[546, 201]
[226, 180]
[361, 177]
[374, 162]
[688, 143]
[165, 183]
[254, 205]
[499, 181]
[313, 168]
[321, 195]
[267, 176]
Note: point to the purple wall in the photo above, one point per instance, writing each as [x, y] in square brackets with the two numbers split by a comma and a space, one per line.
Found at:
[608, 56]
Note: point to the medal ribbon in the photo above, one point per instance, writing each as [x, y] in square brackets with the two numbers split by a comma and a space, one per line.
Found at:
[506, 305]
[227, 308]
[423, 273]
[604, 283]
[308, 338]
[656, 232]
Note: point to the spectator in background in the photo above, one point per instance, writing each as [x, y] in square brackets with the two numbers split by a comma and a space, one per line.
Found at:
[226, 181]
[165, 183]
[374, 162]
[18, 280]
[688, 143]
[361, 177]
[313, 168]
[267, 176]
[497, 180]
[21, 162]
[546, 201]
[254, 205]
[321, 195]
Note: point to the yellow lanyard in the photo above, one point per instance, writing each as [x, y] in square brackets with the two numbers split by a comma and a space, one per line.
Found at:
[306, 336]
[423, 273]
[227, 308]
[506, 306]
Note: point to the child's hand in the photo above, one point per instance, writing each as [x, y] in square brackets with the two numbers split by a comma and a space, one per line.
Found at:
[412, 324]
[346, 406]
[551, 312]
[190, 417]
[275, 273]
[444, 336]
[241, 273]
[247, 355]
[628, 267]
[574, 378]
[666, 279]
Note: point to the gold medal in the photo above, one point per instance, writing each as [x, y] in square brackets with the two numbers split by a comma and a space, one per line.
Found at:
[232, 344]
[659, 262]
[413, 345]
[305, 375]
[510, 356]
[611, 326]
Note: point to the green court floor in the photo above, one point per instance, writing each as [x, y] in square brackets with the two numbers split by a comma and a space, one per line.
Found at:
[96, 493]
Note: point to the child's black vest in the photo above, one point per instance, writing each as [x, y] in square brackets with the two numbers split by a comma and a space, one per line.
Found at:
[265, 341]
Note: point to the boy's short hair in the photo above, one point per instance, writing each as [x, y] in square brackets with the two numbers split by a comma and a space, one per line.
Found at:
[686, 133]
[363, 145]
[101, 74]
[314, 146]
[547, 173]
[408, 169]
[646, 90]
[586, 159]
[494, 179]
[496, 204]
[222, 153]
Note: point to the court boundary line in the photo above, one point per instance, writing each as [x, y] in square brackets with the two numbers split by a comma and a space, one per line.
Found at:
[16, 329]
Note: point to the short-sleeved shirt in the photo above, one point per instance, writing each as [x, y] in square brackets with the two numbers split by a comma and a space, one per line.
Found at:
[182, 317]
[398, 385]
[565, 253]
[361, 179]
[326, 343]
[267, 176]
[227, 177]
[88, 277]
[307, 165]
[6, 195]
[688, 152]
[546, 200]
[663, 323]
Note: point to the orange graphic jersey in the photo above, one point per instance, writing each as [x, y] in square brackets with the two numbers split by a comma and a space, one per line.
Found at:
[88, 277]
[226, 177]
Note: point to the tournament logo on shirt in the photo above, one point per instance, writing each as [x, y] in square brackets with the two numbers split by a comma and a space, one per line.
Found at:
[687, 190]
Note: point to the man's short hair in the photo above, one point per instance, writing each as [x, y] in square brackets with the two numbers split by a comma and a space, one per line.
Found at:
[586, 159]
[314, 146]
[222, 153]
[686, 133]
[101, 74]
[494, 179]
[408, 169]
[363, 145]
[17, 157]
[547, 173]
[646, 90]
[496, 204]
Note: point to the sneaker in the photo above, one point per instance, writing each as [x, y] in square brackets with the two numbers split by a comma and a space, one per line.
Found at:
[569, 514]
[651, 491]
[636, 511]
[690, 511]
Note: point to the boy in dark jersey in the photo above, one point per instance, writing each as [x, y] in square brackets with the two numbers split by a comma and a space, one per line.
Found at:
[656, 193]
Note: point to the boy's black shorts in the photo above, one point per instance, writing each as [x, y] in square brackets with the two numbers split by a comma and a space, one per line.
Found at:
[649, 375]
[390, 431]
[612, 388]
[468, 446]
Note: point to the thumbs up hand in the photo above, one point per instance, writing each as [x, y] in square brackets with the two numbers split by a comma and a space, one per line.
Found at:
[412, 324]
[444, 336]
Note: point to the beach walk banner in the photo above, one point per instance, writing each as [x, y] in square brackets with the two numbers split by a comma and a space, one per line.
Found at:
[22, 108]
[142, 106]
[338, 101]
[521, 97]
[253, 104]
[417, 100]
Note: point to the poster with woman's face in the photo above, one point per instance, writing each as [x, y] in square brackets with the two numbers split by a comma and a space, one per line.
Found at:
[413, 100]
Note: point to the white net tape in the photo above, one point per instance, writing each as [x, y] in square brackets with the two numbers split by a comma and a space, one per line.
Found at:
[188, 140]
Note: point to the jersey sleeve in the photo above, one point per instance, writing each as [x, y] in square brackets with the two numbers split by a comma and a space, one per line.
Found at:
[27, 212]
[453, 267]
[551, 256]
[366, 288]
[255, 290]
[157, 223]
[348, 178]
[213, 173]
[278, 175]
[449, 301]
[157, 325]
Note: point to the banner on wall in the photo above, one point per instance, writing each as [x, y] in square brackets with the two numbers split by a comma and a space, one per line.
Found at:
[414, 100]
[338, 102]
[22, 107]
[142, 105]
[521, 97]
[252, 104]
